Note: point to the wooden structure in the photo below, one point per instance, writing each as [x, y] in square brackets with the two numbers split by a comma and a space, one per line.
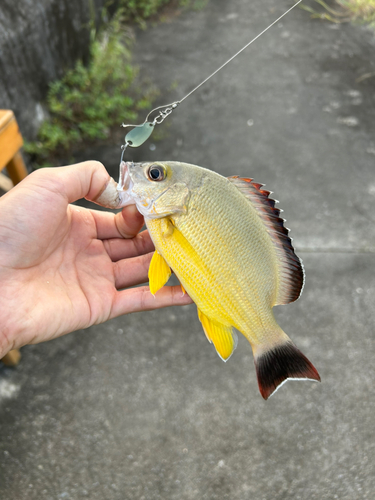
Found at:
[10, 158]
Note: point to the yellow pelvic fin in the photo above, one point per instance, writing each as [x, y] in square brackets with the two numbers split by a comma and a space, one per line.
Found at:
[183, 289]
[223, 337]
[158, 273]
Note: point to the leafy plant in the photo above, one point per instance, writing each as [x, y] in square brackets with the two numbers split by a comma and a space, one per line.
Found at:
[360, 10]
[347, 10]
[88, 101]
[140, 10]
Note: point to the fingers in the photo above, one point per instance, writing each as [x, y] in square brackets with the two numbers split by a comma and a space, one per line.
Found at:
[88, 180]
[83, 180]
[129, 221]
[125, 224]
[141, 299]
[73, 182]
[112, 229]
[132, 271]
[118, 248]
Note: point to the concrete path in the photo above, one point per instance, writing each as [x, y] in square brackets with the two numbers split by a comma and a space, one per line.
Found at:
[142, 408]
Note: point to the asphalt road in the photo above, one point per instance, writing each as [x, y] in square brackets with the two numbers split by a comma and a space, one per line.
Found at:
[142, 408]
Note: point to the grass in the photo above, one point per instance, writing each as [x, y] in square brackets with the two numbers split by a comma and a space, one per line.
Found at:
[362, 11]
[141, 10]
[90, 102]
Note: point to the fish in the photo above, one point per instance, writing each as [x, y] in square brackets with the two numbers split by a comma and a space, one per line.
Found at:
[225, 241]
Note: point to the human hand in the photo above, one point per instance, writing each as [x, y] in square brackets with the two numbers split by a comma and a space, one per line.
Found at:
[63, 267]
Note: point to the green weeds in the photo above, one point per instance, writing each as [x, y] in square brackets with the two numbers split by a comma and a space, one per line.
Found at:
[362, 11]
[141, 10]
[91, 101]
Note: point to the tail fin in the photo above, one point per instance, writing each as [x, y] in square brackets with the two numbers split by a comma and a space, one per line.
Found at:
[279, 363]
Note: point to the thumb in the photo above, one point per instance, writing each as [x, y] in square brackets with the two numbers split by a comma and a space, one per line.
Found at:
[82, 180]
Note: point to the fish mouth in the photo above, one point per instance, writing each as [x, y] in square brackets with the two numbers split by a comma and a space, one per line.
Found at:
[117, 195]
[129, 173]
[125, 185]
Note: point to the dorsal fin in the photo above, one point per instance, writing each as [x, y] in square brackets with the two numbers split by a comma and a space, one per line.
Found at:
[291, 270]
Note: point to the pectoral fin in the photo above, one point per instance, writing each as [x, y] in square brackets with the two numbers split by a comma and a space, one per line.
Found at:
[158, 273]
[223, 337]
[172, 201]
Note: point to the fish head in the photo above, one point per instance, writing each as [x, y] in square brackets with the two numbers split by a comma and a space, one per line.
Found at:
[159, 189]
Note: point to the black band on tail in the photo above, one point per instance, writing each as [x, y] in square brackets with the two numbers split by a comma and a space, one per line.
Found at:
[280, 363]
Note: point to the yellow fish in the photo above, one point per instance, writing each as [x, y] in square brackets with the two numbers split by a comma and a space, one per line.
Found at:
[225, 241]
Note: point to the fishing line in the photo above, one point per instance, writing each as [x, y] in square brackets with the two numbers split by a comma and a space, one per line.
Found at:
[140, 133]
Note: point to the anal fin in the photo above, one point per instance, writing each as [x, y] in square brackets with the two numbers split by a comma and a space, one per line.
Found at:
[223, 337]
[158, 272]
[280, 363]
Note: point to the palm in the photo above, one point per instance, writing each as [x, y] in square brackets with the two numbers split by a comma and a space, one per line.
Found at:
[73, 273]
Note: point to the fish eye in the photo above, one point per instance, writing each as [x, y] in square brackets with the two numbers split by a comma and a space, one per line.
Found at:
[156, 173]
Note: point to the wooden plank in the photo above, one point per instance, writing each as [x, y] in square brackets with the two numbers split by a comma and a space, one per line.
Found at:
[10, 137]
[5, 183]
[5, 116]
[12, 358]
[16, 168]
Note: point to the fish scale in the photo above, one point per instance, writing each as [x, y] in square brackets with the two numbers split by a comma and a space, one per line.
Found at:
[238, 265]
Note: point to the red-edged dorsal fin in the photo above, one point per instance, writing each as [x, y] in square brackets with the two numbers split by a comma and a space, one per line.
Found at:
[291, 270]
